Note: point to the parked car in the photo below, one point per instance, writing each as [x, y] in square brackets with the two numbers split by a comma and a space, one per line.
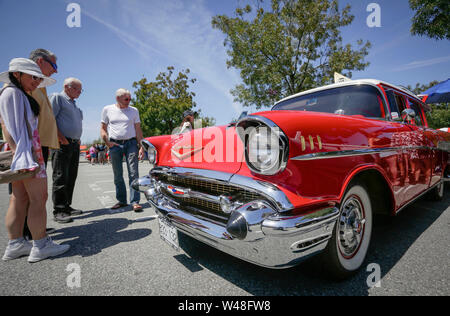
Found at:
[305, 178]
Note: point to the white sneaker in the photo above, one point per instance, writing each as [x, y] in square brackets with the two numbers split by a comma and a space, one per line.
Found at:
[17, 251]
[50, 249]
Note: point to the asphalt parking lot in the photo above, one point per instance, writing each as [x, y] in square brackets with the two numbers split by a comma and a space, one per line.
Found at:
[121, 253]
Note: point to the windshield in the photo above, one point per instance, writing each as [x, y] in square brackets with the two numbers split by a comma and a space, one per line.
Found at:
[362, 100]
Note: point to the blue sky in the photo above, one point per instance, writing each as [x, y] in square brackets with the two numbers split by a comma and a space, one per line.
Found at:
[120, 42]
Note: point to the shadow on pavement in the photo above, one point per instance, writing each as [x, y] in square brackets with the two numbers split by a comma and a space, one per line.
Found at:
[91, 238]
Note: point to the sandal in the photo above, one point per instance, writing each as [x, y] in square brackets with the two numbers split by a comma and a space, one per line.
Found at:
[118, 205]
[137, 208]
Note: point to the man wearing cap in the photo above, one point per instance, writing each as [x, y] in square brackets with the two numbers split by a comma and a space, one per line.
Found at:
[65, 160]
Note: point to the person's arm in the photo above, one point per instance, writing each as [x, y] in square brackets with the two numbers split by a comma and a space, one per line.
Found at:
[139, 137]
[105, 137]
[56, 108]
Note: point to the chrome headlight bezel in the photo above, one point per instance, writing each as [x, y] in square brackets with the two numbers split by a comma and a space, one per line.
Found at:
[152, 153]
[249, 130]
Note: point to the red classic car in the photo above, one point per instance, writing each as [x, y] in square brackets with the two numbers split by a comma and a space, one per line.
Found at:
[305, 178]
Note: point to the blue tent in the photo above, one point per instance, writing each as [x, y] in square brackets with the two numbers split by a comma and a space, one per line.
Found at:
[439, 93]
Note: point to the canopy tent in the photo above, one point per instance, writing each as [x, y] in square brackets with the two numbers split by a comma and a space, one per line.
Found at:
[439, 93]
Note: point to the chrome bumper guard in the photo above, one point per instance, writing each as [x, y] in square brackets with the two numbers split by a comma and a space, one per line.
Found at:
[255, 232]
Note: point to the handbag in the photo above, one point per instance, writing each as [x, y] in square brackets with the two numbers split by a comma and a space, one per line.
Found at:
[6, 158]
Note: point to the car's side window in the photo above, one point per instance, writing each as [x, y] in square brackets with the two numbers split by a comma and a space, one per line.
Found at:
[416, 107]
[400, 102]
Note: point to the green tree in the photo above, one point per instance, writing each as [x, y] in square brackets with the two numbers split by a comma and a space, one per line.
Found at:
[440, 113]
[294, 46]
[161, 103]
[432, 18]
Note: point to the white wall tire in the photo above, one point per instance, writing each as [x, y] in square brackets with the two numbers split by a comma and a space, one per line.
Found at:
[347, 249]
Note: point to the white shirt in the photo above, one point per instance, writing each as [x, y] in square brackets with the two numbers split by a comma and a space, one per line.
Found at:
[13, 104]
[120, 122]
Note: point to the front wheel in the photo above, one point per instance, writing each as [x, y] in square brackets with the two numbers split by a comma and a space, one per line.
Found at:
[347, 249]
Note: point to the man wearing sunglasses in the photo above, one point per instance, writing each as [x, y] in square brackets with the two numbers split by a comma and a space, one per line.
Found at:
[47, 128]
[121, 131]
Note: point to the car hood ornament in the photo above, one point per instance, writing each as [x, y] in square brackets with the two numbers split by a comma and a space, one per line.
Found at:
[184, 151]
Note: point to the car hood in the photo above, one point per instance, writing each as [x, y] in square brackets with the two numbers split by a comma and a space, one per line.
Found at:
[215, 148]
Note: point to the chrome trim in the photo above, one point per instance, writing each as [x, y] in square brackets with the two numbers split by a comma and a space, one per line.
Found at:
[257, 231]
[274, 195]
[284, 148]
[344, 153]
[270, 243]
[148, 145]
[359, 152]
[188, 193]
[281, 225]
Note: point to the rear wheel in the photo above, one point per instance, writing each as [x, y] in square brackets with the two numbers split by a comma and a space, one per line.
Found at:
[347, 249]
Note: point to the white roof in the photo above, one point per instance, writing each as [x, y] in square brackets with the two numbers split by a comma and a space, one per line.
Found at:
[372, 82]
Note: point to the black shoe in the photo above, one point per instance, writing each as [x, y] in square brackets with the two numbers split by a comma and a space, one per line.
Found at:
[62, 218]
[74, 212]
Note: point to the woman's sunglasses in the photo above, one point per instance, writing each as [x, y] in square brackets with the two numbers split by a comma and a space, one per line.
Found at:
[35, 78]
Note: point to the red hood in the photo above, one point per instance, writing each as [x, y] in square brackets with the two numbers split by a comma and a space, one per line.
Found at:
[218, 148]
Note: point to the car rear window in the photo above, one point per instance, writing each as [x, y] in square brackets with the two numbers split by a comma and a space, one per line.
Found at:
[362, 100]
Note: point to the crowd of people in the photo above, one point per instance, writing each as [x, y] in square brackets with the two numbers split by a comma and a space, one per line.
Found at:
[36, 127]
[98, 154]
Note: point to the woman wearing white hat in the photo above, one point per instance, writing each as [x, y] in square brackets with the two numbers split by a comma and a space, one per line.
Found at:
[29, 196]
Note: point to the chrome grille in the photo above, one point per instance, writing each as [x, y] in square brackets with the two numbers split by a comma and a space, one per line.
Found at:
[202, 207]
[210, 187]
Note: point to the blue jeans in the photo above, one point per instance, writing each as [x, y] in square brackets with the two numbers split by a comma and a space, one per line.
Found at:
[129, 149]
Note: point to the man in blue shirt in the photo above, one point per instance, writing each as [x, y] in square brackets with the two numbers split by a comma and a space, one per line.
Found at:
[65, 160]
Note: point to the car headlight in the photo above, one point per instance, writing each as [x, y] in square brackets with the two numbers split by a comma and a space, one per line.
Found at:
[266, 146]
[263, 149]
[152, 153]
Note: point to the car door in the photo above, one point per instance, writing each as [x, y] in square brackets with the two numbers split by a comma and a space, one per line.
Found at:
[418, 152]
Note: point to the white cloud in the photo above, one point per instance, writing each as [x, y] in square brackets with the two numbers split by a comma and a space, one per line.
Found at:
[423, 63]
[177, 30]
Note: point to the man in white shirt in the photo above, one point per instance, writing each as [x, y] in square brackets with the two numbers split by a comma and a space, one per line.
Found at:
[121, 131]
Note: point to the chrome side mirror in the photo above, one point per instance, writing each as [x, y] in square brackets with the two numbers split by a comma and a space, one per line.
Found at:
[408, 115]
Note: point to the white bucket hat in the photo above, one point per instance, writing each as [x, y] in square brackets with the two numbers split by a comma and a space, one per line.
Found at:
[27, 66]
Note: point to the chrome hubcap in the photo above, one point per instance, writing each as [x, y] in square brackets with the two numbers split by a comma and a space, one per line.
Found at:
[351, 227]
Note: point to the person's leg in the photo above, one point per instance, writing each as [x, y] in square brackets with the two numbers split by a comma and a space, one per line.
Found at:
[17, 211]
[131, 156]
[60, 159]
[45, 154]
[37, 214]
[116, 153]
[60, 166]
[73, 171]
[43, 247]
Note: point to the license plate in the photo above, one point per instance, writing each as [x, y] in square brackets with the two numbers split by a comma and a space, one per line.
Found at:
[168, 233]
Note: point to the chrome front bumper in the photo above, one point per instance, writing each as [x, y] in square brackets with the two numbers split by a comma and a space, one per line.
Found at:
[257, 231]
